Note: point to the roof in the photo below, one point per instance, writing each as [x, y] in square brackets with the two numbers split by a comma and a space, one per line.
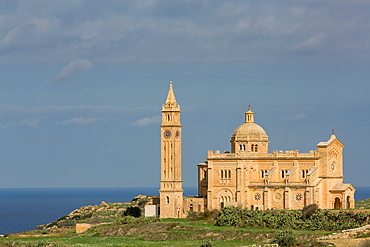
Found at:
[327, 143]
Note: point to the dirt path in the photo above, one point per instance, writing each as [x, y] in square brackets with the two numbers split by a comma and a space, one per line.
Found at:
[345, 242]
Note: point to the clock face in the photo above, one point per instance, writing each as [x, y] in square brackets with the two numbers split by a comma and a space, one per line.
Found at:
[167, 134]
[177, 134]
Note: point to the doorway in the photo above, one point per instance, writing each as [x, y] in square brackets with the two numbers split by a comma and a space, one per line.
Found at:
[337, 203]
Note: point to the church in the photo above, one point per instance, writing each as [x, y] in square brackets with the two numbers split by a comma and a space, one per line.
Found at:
[249, 176]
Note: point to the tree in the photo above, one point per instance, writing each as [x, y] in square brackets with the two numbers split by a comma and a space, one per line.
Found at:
[133, 211]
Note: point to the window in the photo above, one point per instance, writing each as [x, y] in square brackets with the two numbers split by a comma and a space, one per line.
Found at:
[167, 199]
[225, 176]
[304, 173]
[283, 173]
[263, 173]
[254, 148]
[168, 117]
[242, 147]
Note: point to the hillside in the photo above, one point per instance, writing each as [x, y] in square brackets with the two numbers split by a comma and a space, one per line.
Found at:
[113, 228]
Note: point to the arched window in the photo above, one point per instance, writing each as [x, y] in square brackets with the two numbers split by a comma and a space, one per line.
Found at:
[337, 203]
[168, 117]
[252, 148]
[256, 148]
[348, 202]
[167, 199]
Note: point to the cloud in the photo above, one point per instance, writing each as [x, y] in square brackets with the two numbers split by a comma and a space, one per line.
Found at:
[147, 121]
[47, 109]
[79, 121]
[312, 43]
[298, 116]
[33, 122]
[73, 68]
[7, 125]
[178, 30]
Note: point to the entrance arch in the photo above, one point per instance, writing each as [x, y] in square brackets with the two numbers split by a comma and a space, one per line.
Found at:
[225, 198]
[337, 203]
[348, 202]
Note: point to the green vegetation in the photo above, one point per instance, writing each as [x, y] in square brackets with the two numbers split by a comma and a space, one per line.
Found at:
[230, 227]
[285, 238]
[363, 204]
[155, 232]
[133, 211]
[319, 219]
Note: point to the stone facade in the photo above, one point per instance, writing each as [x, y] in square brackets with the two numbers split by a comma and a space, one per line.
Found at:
[249, 176]
[171, 192]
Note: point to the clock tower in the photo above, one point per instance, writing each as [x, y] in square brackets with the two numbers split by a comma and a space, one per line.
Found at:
[171, 198]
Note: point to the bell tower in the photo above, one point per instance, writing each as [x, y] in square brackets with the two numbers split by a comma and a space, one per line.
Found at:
[171, 192]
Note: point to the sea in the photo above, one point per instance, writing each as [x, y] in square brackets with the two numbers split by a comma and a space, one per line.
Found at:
[25, 209]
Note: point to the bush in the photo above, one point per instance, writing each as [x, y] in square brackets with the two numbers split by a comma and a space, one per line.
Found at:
[308, 210]
[206, 243]
[318, 219]
[133, 211]
[127, 220]
[285, 238]
[206, 215]
[229, 216]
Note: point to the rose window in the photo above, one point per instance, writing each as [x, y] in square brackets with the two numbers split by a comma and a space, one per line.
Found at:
[257, 197]
[298, 197]
[278, 197]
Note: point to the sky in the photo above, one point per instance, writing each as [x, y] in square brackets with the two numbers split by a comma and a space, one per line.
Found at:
[82, 83]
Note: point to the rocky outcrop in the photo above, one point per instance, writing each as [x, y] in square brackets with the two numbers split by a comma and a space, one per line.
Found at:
[350, 233]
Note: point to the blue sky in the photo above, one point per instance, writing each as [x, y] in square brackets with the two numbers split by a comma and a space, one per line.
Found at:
[82, 83]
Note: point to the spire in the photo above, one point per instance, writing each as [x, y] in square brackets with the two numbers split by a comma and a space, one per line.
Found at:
[171, 99]
[249, 115]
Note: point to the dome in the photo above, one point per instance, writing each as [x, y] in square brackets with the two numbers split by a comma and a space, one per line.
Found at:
[249, 131]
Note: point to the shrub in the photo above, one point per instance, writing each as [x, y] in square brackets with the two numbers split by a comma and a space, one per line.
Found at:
[308, 210]
[320, 219]
[206, 243]
[133, 211]
[229, 216]
[285, 238]
[127, 220]
[206, 215]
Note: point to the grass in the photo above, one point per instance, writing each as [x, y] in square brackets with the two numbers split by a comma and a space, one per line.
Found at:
[97, 241]
[363, 204]
[168, 232]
